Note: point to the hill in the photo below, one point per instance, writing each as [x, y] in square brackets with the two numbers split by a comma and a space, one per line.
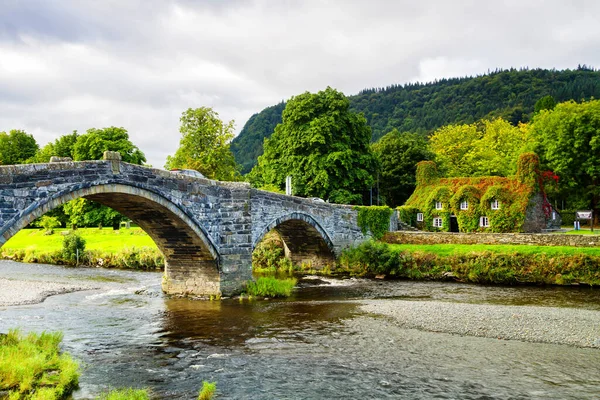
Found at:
[424, 107]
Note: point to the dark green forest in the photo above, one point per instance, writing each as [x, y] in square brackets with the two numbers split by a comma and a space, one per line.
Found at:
[424, 107]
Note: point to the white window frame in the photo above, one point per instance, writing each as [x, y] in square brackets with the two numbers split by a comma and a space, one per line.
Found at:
[464, 205]
[484, 222]
[438, 222]
[439, 205]
[419, 217]
[495, 204]
[553, 215]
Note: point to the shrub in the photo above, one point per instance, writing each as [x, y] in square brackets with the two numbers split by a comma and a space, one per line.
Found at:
[73, 247]
[208, 390]
[271, 287]
[374, 219]
[49, 224]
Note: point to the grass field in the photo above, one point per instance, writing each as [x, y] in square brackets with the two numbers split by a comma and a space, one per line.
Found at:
[105, 239]
[457, 249]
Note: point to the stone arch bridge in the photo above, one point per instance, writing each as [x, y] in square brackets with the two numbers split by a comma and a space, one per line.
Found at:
[206, 229]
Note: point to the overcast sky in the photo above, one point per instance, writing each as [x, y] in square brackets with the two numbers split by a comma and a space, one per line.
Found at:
[75, 64]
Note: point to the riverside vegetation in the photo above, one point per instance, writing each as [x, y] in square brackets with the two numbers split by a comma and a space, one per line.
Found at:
[33, 368]
[124, 248]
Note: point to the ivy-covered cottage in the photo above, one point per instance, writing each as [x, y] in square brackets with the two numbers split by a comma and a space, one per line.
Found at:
[481, 204]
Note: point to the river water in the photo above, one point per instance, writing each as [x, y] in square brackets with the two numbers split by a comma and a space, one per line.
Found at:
[317, 345]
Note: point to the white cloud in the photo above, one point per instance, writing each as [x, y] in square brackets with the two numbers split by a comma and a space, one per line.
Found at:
[139, 64]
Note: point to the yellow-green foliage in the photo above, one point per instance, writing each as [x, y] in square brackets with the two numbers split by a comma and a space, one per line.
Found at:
[208, 390]
[271, 287]
[269, 256]
[408, 214]
[374, 219]
[125, 394]
[31, 367]
[513, 193]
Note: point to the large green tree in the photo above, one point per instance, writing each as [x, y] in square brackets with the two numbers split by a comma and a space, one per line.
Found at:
[93, 144]
[204, 145]
[323, 146]
[398, 155]
[569, 144]
[17, 147]
[489, 147]
[64, 146]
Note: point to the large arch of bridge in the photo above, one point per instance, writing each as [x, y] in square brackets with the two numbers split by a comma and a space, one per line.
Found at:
[182, 241]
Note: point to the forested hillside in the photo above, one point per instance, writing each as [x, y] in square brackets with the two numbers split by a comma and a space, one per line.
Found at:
[423, 107]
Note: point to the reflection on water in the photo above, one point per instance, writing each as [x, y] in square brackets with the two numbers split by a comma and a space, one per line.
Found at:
[313, 346]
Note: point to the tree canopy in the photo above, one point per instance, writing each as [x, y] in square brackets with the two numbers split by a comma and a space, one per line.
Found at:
[398, 155]
[17, 147]
[323, 146]
[93, 144]
[424, 107]
[569, 144]
[64, 146]
[204, 145]
[486, 148]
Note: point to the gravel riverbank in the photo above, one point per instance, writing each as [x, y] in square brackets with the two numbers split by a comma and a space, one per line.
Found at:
[569, 326]
[19, 292]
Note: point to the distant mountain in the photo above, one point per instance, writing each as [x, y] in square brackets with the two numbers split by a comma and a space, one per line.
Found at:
[424, 107]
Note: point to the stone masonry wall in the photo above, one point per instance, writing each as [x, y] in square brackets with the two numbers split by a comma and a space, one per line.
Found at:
[538, 239]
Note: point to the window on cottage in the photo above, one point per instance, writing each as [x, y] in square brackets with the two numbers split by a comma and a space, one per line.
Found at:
[464, 205]
[553, 215]
[484, 222]
[437, 222]
[419, 217]
[438, 205]
[495, 204]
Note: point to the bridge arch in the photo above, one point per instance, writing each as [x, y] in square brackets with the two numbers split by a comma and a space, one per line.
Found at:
[191, 257]
[305, 240]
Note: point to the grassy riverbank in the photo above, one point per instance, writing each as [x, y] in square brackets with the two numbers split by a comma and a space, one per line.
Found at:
[497, 264]
[32, 367]
[124, 248]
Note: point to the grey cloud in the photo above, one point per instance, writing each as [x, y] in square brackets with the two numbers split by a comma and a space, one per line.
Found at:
[78, 64]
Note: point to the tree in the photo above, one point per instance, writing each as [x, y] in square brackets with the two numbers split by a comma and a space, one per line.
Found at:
[17, 147]
[204, 145]
[93, 144]
[569, 144]
[488, 148]
[545, 103]
[323, 146]
[64, 146]
[398, 155]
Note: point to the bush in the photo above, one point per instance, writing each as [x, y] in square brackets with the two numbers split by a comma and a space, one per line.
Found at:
[49, 224]
[271, 287]
[208, 390]
[73, 248]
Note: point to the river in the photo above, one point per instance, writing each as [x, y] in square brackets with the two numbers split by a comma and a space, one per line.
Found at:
[320, 344]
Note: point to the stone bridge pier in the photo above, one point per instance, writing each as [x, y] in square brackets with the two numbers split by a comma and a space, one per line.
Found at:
[206, 229]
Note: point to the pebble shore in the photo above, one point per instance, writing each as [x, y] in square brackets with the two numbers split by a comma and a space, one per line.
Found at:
[20, 292]
[570, 326]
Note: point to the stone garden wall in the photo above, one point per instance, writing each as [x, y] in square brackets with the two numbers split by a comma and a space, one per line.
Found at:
[539, 239]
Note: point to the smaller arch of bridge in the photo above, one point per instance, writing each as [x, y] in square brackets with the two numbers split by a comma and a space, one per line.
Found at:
[305, 241]
[295, 216]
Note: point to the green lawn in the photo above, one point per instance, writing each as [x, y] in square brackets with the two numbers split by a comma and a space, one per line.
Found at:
[455, 249]
[104, 239]
[584, 232]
